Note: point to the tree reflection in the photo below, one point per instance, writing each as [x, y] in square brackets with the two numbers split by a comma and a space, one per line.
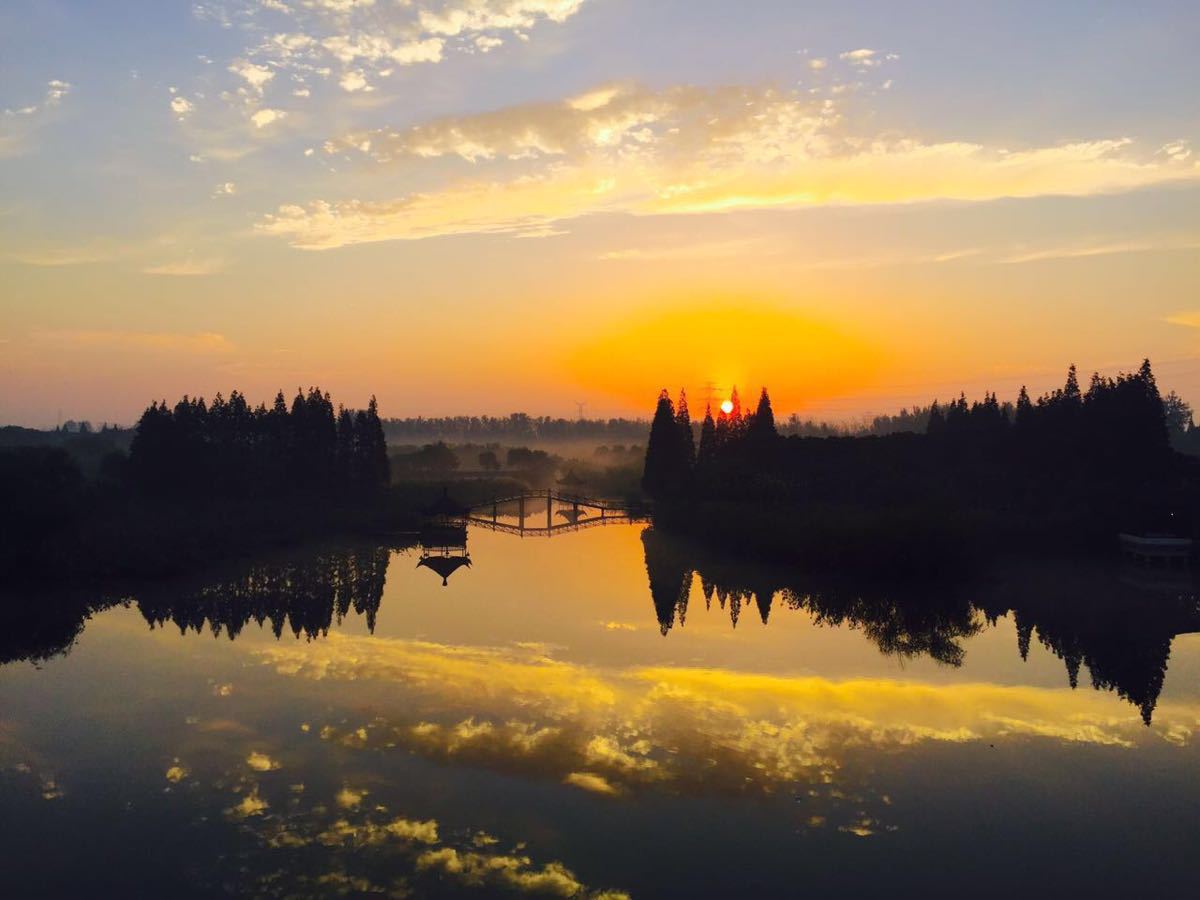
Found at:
[306, 596]
[1119, 629]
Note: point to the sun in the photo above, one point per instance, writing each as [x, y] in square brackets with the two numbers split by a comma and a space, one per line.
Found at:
[727, 407]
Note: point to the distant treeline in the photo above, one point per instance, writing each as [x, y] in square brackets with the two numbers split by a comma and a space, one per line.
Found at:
[1074, 467]
[915, 419]
[517, 427]
[520, 427]
[227, 447]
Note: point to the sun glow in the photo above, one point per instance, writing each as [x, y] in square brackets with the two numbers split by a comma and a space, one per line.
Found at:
[802, 359]
[727, 407]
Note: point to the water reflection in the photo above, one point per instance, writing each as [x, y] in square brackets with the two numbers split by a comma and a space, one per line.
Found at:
[444, 549]
[307, 595]
[357, 744]
[1119, 628]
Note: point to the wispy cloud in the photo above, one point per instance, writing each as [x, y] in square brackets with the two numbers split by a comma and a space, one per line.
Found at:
[1085, 250]
[200, 343]
[689, 150]
[354, 46]
[1188, 319]
[19, 124]
[187, 267]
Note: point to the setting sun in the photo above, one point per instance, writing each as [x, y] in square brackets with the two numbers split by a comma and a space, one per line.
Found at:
[727, 407]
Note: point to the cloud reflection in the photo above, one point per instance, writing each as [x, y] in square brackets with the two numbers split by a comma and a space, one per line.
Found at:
[684, 729]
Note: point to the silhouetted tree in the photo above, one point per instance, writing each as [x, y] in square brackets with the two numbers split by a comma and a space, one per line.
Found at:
[227, 448]
[687, 441]
[761, 429]
[662, 476]
[707, 451]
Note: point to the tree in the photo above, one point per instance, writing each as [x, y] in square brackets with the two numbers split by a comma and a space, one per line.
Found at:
[937, 420]
[761, 430]
[1024, 408]
[1178, 413]
[708, 440]
[489, 461]
[1071, 391]
[435, 458]
[661, 475]
[372, 448]
[687, 441]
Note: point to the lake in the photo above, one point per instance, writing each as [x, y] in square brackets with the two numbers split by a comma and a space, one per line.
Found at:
[604, 713]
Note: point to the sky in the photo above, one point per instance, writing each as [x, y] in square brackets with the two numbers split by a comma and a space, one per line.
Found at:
[484, 206]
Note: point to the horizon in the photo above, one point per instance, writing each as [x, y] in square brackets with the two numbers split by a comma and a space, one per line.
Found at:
[532, 203]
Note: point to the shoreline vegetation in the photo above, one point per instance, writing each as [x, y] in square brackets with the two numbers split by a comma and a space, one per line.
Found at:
[196, 482]
[1060, 475]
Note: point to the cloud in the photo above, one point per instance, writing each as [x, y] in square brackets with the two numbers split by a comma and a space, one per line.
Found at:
[260, 762]
[176, 773]
[187, 268]
[355, 81]
[356, 44]
[586, 781]
[688, 150]
[18, 125]
[1084, 251]
[688, 729]
[201, 343]
[251, 805]
[347, 798]
[461, 16]
[256, 76]
[182, 107]
[264, 117]
[506, 871]
[225, 189]
[1188, 319]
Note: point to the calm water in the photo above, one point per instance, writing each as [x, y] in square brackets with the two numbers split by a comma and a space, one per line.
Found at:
[582, 716]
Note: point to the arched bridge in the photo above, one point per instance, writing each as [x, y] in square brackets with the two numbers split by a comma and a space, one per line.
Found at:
[550, 512]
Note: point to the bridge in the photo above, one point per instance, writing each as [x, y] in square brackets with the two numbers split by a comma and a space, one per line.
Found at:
[576, 512]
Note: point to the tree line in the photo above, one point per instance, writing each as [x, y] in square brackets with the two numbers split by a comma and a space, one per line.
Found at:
[229, 448]
[675, 461]
[1075, 465]
[517, 427]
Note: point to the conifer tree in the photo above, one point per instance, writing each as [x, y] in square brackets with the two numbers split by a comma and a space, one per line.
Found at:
[660, 476]
[708, 440]
[937, 421]
[762, 425]
[375, 456]
[687, 441]
[1071, 392]
[1024, 407]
